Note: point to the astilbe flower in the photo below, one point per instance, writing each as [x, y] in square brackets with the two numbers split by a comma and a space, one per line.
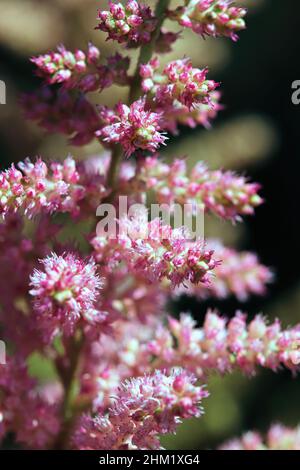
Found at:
[144, 408]
[221, 192]
[61, 66]
[200, 115]
[134, 347]
[18, 254]
[20, 250]
[116, 356]
[59, 111]
[127, 294]
[157, 251]
[82, 70]
[134, 127]
[239, 274]
[179, 81]
[131, 24]
[181, 93]
[23, 410]
[33, 188]
[224, 345]
[41, 188]
[279, 437]
[211, 17]
[64, 292]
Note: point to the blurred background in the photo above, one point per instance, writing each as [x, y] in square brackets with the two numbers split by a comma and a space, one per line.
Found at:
[257, 133]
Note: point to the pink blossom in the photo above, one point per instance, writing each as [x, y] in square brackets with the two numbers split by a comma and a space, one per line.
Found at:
[63, 292]
[36, 188]
[157, 251]
[200, 115]
[134, 128]
[23, 410]
[82, 70]
[134, 347]
[61, 66]
[220, 192]
[33, 188]
[279, 437]
[132, 24]
[144, 408]
[178, 81]
[239, 274]
[59, 111]
[225, 345]
[211, 17]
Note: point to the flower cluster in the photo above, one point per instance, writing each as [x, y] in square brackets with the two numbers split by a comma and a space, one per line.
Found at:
[82, 70]
[279, 437]
[201, 115]
[138, 346]
[144, 408]
[34, 189]
[23, 408]
[211, 17]
[64, 291]
[134, 127]
[157, 251]
[223, 345]
[60, 66]
[221, 192]
[131, 24]
[179, 81]
[240, 274]
[59, 111]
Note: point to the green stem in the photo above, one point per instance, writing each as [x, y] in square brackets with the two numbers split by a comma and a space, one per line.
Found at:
[68, 380]
[147, 49]
[114, 167]
[135, 88]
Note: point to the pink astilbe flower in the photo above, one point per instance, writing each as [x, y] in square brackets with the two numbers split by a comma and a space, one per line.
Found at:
[116, 356]
[220, 192]
[82, 70]
[65, 186]
[23, 411]
[19, 253]
[64, 65]
[133, 127]
[279, 437]
[144, 408]
[157, 251]
[35, 188]
[135, 346]
[59, 111]
[64, 292]
[240, 274]
[200, 115]
[224, 345]
[211, 17]
[179, 81]
[128, 294]
[131, 24]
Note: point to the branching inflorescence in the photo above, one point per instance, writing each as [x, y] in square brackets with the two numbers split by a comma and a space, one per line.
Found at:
[126, 371]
